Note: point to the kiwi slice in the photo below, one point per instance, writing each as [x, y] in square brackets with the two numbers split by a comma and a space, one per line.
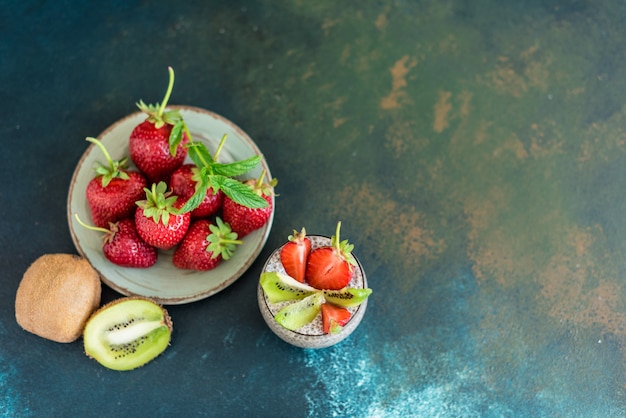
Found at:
[347, 297]
[127, 333]
[280, 287]
[300, 313]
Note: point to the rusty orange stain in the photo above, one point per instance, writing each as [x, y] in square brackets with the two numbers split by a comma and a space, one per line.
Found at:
[308, 73]
[535, 72]
[337, 122]
[399, 72]
[381, 21]
[546, 140]
[465, 97]
[496, 256]
[513, 145]
[578, 289]
[329, 24]
[442, 110]
[408, 240]
[401, 137]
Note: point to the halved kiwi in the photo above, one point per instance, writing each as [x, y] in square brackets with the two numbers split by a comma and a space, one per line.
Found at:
[127, 333]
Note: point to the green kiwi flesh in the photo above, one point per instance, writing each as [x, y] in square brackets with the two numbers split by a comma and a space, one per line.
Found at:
[347, 297]
[280, 287]
[127, 333]
[298, 314]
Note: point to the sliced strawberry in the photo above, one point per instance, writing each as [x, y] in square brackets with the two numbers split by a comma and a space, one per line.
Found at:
[294, 255]
[331, 267]
[334, 318]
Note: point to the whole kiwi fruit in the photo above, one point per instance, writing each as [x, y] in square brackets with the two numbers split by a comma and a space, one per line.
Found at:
[56, 296]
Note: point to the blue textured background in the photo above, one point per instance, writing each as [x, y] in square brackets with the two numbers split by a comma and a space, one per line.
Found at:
[474, 152]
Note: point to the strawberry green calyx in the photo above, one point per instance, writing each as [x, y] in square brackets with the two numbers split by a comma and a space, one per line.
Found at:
[159, 117]
[159, 203]
[261, 188]
[115, 169]
[222, 240]
[342, 248]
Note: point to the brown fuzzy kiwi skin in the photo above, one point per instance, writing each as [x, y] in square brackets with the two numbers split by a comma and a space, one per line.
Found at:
[166, 317]
[56, 296]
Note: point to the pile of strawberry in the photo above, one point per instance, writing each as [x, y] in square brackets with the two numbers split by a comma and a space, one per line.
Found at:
[198, 209]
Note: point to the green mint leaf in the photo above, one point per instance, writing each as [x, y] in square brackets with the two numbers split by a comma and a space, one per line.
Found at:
[237, 168]
[176, 136]
[238, 192]
[199, 154]
[194, 201]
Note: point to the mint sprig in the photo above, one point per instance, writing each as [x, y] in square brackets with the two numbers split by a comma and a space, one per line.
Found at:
[220, 176]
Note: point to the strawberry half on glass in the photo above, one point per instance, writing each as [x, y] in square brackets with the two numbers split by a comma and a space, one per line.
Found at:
[294, 254]
[158, 218]
[244, 219]
[334, 318]
[205, 245]
[331, 267]
[157, 145]
[112, 194]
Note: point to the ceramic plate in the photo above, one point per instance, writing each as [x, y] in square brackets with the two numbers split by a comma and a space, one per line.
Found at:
[163, 282]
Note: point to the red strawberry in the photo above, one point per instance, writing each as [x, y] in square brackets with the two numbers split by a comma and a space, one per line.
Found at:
[331, 267]
[183, 183]
[123, 246]
[334, 318]
[294, 254]
[205, 245]
[244, 219]
[158, 220]
[157, 145]
[112, 194]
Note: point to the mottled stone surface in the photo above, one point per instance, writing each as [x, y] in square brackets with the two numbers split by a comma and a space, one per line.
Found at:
[475, 153]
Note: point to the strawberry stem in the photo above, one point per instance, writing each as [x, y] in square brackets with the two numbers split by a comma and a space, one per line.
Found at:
[219, 147]
[337, 241]
[231, 241]
[168, 92]
[91, 227]
[259, 181]
[344, 248]
[104, 151]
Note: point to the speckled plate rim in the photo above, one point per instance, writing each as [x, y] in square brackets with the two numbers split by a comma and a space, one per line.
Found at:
[163, 282]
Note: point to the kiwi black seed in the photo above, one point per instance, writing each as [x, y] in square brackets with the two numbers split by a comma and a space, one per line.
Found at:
[127, 333]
